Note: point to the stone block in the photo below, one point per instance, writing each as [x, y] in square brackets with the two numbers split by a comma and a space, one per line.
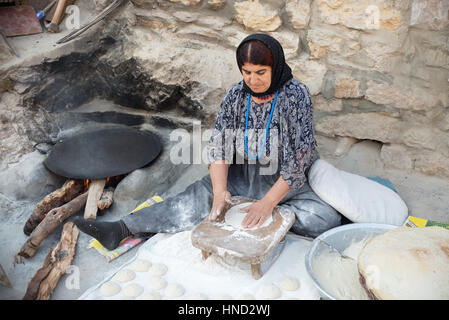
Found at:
[256, 16]
[361, 15]
[299, 12]
[396, 156]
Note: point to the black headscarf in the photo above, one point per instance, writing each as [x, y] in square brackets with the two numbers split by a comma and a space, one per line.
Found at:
[281, 72]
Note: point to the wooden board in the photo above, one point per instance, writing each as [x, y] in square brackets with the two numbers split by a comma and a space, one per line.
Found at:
[19, 21]
[252, 246]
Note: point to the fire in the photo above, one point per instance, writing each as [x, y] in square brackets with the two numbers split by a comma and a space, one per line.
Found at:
[86, 182]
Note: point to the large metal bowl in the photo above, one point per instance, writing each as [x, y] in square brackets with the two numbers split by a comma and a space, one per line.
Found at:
[340, 238]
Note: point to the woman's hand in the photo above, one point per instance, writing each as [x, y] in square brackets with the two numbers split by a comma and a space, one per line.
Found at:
[218, 204]
[257, 213]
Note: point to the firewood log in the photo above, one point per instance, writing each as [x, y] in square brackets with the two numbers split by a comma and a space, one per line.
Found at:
[51, 221]
[55, 265]
[94, 194]
[106, 199]
[70, 190]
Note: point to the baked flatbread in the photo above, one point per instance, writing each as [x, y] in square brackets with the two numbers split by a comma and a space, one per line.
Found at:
[406, 263]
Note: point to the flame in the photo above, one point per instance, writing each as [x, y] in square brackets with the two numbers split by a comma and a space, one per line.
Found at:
[87, 181]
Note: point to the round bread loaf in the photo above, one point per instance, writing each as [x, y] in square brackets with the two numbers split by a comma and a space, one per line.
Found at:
[406, 263]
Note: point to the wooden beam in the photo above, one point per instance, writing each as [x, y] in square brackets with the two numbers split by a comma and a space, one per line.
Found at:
[94, 194]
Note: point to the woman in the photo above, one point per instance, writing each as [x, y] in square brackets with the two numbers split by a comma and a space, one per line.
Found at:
[262, 147]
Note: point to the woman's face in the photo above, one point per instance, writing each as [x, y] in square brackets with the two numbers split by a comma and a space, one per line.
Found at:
[257, 77]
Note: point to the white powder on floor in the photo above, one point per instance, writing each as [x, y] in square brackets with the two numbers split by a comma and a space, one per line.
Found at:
[180, 246]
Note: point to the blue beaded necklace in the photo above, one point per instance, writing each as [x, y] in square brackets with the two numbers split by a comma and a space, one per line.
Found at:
[266, 131]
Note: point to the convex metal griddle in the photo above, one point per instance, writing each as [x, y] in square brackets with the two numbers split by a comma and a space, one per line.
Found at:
[253, 246]
[102, 153]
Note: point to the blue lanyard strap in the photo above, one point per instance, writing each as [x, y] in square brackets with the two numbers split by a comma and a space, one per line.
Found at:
[266, 131]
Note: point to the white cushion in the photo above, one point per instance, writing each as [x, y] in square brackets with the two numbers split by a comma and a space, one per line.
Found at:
[357, 198]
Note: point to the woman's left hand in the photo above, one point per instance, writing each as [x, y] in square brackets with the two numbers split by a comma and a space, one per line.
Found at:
[257, 213]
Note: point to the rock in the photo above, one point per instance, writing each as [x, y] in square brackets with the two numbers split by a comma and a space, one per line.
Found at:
[187, 2]
[29, 179]
[328, 88]
[432, 163]
[216, 23]
[216, 4]
[383, 93]
[299, 12]
[233, 35]
[186, 16]
[310, 72]
[396, 156]
[324, 39]
[421, 138]
[361, 15]
[347, 88]
[344, 145]
[430, 14]
[289, 42]
[370, 125]
[199, 31]
[256, 16]
[321, 103]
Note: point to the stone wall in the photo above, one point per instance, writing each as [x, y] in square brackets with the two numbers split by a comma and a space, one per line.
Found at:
[377, 69]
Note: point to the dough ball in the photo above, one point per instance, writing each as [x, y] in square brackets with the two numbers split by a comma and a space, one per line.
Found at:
[198, 296]
[109, 289]
[289, 284]
[156, 283]
[132, 290]
[158, 269]
[140, 265]
[125, 275]
[246, 296]
[270, 292]
[174, 290]
[235, 218]
[151, 296]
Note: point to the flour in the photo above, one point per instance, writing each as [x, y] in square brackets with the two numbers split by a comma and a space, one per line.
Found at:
[339, 276]
[234, 217]
[180, 246]
[214, 277]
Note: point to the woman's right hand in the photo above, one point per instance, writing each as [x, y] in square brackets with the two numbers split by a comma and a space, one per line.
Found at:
[218, 204]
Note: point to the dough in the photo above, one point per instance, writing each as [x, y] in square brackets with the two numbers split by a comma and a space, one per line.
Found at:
[109, 289]
[156, 283]
[132, 290]
[158, 269]
[235, 218]
[246, 296]
[124, 275]
[140, 265]
[270, 292]
[407, 264]
[289, 284]
[198, 296]
[174, 290]
[151, 296]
